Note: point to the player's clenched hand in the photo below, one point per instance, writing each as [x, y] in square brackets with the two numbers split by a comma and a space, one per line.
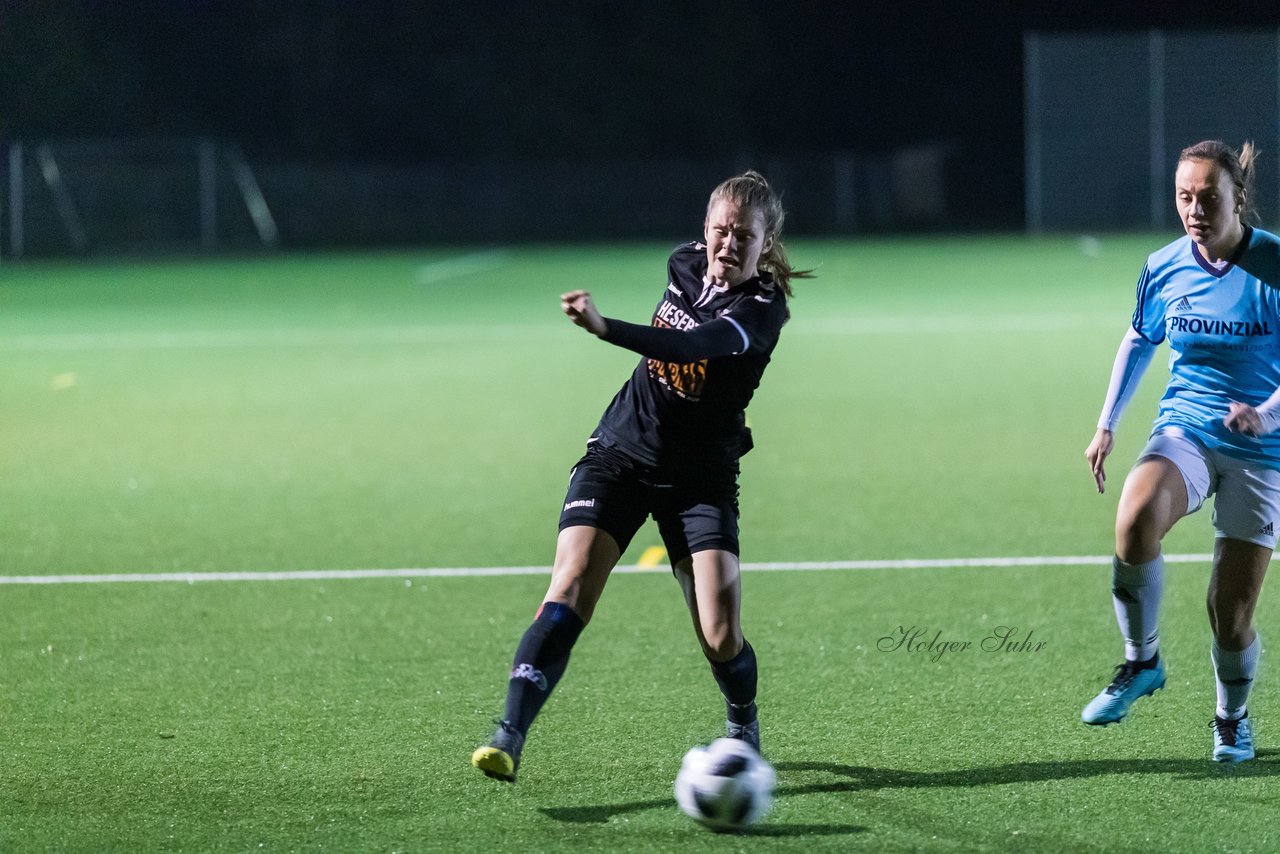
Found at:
[1243, 418]
[582, 311]
[1097, 453]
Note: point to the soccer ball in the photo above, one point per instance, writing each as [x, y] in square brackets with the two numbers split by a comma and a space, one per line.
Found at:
[725, 786]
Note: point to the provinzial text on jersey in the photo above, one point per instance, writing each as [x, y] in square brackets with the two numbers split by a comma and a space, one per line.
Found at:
[1197, 326]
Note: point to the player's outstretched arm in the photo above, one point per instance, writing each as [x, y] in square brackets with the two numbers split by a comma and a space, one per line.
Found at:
[720, 337]
[1097, 452]
[711, 340]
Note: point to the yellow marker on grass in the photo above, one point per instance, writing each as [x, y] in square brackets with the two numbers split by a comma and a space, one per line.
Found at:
[652, 557]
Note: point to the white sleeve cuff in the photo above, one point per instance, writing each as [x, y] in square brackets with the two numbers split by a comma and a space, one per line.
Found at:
[746, 342]
[1269, 413]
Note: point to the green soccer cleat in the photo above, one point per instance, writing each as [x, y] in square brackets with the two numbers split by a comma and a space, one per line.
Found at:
[1129, 684]
[500, 758]
[1232, 740]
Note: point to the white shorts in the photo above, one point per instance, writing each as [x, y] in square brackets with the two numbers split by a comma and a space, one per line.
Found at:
[1247, 506]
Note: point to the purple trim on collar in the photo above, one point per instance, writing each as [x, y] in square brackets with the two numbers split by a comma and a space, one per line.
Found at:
[1216, 272]
[1219, 272]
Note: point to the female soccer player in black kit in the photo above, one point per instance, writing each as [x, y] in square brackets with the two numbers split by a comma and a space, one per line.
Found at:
[668, 445]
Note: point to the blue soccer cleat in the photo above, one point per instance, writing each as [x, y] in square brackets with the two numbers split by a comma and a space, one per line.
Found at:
[500, 758]
[1232, 740]
[1129, 684]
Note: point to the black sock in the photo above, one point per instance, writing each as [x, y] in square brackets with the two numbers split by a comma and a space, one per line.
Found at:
[737, 680]
[1148, 664]
[541, 659]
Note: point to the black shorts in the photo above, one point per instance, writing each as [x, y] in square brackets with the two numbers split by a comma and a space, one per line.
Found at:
[695, 512]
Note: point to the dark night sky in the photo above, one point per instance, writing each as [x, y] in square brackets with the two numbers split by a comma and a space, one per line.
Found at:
[405, 81]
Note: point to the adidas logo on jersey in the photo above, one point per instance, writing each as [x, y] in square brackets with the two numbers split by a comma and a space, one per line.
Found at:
[1267, 530]
[1184, 304]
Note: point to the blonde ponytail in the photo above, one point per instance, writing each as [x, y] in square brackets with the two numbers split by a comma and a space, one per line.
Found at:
[750, 189]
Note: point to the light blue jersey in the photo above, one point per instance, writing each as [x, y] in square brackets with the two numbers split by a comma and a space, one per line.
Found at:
[1223, 327]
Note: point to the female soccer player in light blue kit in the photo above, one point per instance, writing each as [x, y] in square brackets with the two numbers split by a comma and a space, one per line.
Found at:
[1213, 295]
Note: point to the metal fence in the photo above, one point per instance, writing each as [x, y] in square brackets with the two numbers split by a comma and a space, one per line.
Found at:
[1107, 115]
[143, 195]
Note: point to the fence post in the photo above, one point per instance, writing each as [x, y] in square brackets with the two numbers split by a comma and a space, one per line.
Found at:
[846, 198]
[16, 200]
[259, 212]
[1032, 154]
[1156, 71]
[207, 153]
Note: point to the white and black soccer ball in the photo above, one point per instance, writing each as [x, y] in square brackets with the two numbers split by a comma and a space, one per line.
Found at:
[725, 785]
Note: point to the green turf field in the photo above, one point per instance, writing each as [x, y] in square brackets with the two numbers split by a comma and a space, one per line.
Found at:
[930, 399]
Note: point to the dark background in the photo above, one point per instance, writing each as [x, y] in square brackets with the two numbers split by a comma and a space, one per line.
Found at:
[400, 82]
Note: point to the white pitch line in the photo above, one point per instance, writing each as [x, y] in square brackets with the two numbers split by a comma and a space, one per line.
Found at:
[955, 563]
[464, 265]
[453, 572]
[950, 324]
[301, 337]
[446, 333]
[291, 575]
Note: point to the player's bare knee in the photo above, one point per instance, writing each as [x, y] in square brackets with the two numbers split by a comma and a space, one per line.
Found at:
[721, 642]
[1137, 540]
[566, 579]
[573, 586]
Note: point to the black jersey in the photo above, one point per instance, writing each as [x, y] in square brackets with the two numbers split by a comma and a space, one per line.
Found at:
[690, 414]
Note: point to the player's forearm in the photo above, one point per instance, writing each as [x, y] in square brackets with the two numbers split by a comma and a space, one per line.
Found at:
[709, 341]
[1131, 363]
